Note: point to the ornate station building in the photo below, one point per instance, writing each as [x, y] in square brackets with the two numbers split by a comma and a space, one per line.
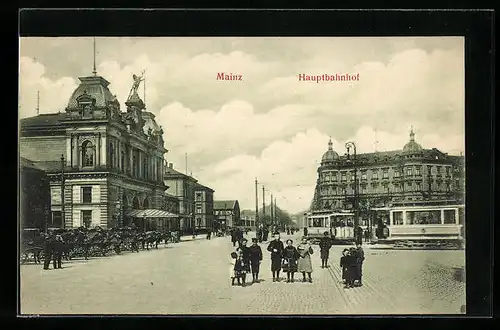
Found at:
[103, 163]
[412, 176]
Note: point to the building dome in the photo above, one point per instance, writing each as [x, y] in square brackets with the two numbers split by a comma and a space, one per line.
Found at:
[96, 88]
[330, 155]
[412, 146]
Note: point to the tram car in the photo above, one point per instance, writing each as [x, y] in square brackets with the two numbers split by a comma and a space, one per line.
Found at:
[339, 225]
[431, 225]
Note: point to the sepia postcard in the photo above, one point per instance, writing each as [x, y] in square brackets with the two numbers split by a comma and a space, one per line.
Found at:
[242, 175]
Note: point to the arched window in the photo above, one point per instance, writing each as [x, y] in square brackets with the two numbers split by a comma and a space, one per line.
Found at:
[145, 204]
[87, 153]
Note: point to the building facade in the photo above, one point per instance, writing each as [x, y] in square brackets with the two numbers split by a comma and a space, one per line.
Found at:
[204, 207]
[410, 176]
[182, 186]
[113, 161]
[227, 213]
[35, 197]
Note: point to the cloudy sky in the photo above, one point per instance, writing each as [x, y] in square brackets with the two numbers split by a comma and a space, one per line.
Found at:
[270, 125]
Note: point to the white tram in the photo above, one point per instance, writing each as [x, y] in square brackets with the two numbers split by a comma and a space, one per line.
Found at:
[339, 225]
[425, 223]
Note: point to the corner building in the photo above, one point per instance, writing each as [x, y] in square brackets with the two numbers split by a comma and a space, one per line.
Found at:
[113, 161]
[412, 176]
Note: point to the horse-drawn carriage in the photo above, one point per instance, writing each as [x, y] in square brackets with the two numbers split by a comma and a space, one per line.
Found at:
[32, 241]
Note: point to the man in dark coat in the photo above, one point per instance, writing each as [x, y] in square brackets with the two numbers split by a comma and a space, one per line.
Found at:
[276, 248]
[324, 245]
[265, 234]
[48, 246]
[234, 236]
[255, 259]
[360, 258]
[259, 234]
[58, 246]
[305, 231]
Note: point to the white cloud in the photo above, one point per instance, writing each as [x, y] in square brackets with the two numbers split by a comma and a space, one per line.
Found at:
[54, 94]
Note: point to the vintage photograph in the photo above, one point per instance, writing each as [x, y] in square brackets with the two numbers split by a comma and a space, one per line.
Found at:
[242, 175]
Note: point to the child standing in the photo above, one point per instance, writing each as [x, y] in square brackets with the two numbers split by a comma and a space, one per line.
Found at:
[290, 256]
[240, 269]
[255, 259]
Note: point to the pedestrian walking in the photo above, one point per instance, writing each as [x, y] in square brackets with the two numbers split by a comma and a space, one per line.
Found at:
[324, 249]
[360, 258]
[265, 234]
[305, 231]
[209, 234]
[255, 259]
[234, 237]
[304, 264]
[290, 256]
[276, 248]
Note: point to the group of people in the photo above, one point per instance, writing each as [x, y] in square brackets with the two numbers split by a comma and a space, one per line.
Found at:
[351, 264]
[53, 250]
[292, 259]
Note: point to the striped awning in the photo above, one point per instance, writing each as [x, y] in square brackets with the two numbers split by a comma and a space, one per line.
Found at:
[151, 213]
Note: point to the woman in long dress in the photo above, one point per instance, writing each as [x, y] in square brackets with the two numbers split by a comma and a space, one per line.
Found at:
[304, 264]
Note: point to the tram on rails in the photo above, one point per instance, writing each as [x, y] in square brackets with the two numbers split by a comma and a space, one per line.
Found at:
[339, 225]
[423, 223]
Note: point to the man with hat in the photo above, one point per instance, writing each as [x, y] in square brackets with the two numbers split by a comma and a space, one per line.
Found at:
[324, 247]
[255, 259]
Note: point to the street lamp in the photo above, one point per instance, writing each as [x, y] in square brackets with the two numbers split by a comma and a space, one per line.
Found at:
[63, 218]
[351, 145]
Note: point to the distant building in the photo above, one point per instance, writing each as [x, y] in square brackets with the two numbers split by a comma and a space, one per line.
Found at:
[35, 198]
[172, 206]
[113, 160]
[182, 186]
[227, 213]
[411, 176]
[204, 207]
[248, 218]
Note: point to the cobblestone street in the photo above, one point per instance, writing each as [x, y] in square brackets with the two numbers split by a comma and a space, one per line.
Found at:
[192, 278]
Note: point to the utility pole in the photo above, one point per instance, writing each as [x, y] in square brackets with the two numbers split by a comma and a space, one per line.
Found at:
[37, 103]
[256, 203]
[271, 210]
[263, 203]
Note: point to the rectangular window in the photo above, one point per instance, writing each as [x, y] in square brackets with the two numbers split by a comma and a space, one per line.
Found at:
[396, 174]
[87, 218]
[198, 209]
[417, 171]
[386, 174]
[375, 175]
[449, 217]
[199, 196]
[418, 186]
[86, 195]
[409, 171]
[352, 177]
[327, 177]
[363, 175]
[56, 220]
[334, 176]
[344, 177]
[423, 217]
[398, 217]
